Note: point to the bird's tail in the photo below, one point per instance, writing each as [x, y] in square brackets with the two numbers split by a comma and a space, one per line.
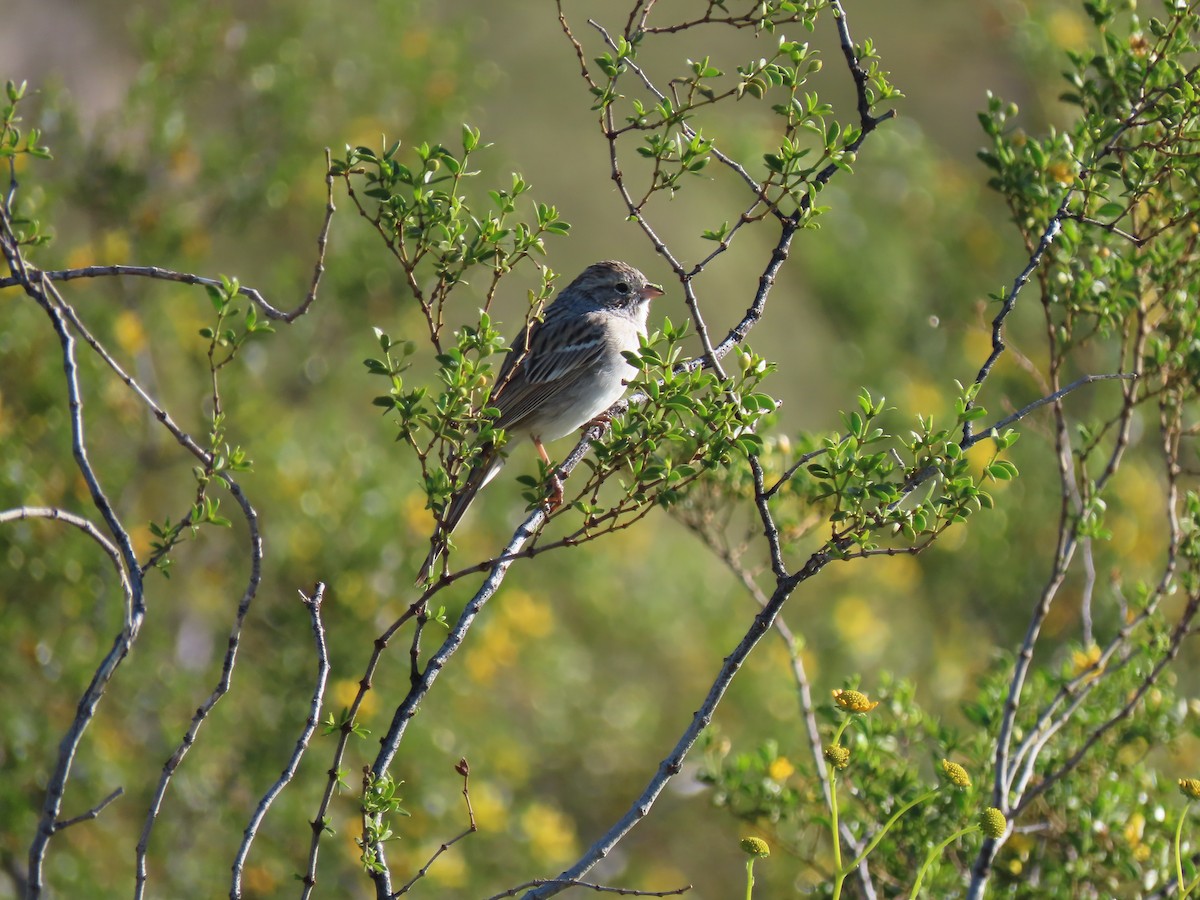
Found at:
[483, 472]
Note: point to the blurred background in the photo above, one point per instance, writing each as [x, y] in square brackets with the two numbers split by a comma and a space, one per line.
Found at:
[192, 136]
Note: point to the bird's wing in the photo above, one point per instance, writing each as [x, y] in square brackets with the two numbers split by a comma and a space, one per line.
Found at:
[553, 357]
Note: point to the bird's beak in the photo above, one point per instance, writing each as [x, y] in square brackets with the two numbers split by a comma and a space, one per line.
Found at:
[650, 291]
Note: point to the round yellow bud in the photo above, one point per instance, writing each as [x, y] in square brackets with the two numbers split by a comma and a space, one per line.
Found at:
[992, 822]
[955, 774]
[837, 756]
[753, 846]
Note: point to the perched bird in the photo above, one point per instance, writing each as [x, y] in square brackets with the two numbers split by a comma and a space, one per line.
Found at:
[560, 373]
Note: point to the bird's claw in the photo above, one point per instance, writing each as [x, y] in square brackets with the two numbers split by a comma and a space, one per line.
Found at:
[555, 498]
[601, 421]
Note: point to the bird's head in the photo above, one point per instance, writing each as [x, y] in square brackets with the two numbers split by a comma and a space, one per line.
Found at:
[614, 286]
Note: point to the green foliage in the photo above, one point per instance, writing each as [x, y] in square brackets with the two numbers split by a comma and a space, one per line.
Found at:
[1072, 744]
[434, 231]
[691, 423]
[15, 144]
[1110, 813]
[810, 141]
[446, 431]
[380, 800]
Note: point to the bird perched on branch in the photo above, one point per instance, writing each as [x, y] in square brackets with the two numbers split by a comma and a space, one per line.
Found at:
[560, 373]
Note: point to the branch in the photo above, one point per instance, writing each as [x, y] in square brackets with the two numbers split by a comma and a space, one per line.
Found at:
[561, 884]
[43, 293]
[84, 525]
[1042, 401]
[465, 771]
[808, 714]
[223, 682]
[1182, 629]
[91, 813]
[673, 763]
[313, 604]
[1049, 233]
[345, 730]
[161, 274]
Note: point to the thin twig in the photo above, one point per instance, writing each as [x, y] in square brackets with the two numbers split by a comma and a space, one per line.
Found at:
[346, 729]
[161, 274]
[222, 686]
[84, 525]
[561, 884]
[313, 605]
[43, 294]
[464, 770]
[91, 813]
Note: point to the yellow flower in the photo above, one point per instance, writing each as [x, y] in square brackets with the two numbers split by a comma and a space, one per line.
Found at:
[955, 774]
[753, 846]
[780, 769]
[1190, 787]
[992, 822]
[854, 701]
[837, 756]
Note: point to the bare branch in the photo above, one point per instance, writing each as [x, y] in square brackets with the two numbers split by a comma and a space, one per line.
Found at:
[43, 294]
[313, 604]
[84, 525]
[223, 683]
[160, 274]
[345, 730]
[465, 770]
[91, 813]
[561, 884]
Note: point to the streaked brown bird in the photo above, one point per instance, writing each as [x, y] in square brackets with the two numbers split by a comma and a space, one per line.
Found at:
[560, 373]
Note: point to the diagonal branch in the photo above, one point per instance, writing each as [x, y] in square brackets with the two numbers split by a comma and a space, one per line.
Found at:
[672, 764]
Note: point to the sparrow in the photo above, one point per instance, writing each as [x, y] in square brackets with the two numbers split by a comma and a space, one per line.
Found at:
[561, 372]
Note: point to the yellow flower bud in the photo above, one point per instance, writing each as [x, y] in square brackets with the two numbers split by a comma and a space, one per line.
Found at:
[753, 846]
[837, 756]
[854, 701]
[992, 822]
[1190, 788]
[955, 774]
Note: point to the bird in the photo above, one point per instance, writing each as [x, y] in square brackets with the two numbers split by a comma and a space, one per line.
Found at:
[562, 372]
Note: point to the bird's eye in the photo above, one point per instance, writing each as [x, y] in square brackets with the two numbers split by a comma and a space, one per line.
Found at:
[622, 287]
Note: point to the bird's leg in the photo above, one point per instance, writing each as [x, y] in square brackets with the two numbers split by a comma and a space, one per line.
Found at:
[555, 500]
[601, 421]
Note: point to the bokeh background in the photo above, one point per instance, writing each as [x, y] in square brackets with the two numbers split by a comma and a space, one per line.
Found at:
[192, 136]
